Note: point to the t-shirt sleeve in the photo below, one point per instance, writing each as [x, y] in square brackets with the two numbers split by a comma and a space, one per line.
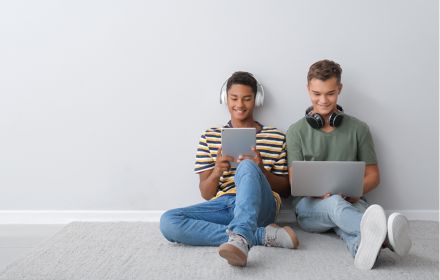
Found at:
[204, 160]
[294, 147]
[366, 151]
[280, 166]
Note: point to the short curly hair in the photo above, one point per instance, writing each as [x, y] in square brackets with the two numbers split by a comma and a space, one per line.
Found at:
[242, 78]
[324, 70]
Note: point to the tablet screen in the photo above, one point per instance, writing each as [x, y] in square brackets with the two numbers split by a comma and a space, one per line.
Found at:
[238, 141]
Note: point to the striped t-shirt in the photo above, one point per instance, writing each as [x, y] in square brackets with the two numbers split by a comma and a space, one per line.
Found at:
[270, 142]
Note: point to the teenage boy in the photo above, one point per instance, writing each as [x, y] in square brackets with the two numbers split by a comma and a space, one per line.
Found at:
[242, 202]
[327, 134]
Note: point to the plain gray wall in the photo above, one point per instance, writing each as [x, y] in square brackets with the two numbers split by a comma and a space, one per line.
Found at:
[102, 102]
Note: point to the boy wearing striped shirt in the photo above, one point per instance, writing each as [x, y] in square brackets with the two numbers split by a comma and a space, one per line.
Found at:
[242, 203]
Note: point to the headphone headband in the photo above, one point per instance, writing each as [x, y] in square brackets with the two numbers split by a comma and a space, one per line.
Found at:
[259, 95]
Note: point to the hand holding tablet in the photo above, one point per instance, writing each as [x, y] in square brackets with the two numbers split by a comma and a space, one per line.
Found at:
[238, 141]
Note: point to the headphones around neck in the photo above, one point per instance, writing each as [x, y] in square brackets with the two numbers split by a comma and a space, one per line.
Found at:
[316, 121]
[259, 96]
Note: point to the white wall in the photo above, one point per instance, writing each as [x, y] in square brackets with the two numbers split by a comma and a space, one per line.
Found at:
[102, 102]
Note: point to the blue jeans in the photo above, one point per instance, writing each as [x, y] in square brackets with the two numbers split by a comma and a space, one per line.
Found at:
[246, 213]
[334, 212]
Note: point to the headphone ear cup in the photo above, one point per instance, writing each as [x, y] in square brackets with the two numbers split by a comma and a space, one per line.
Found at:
[259, 96]
[314, 120]
[223, 94]
[335, 119]
[259, 99]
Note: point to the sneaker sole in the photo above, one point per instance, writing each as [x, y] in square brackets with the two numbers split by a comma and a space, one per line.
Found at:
[398, 234]
[292, 235]
[373, 232]
[233, 255]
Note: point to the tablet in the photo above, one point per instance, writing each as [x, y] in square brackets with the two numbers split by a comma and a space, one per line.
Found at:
[316, 178]
[238, 141]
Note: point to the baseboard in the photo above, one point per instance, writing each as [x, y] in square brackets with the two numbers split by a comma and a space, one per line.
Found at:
[65, 217]
[423, 215]
[286, 216]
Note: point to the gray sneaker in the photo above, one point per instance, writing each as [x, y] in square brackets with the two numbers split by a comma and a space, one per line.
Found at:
[373, 232]
[283, 237]
[235, 251]
[398, 234]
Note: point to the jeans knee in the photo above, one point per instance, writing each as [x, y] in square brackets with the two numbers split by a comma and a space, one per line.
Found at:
[168, 225]
[327, 205]
[310, 222]
[337, 204]
[335, 200]
[247, 166]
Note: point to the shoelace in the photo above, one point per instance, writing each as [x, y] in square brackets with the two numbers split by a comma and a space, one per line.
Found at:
[239, 239]
[271, 239]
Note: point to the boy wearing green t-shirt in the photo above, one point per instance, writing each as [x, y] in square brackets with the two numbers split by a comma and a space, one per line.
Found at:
[327, 134]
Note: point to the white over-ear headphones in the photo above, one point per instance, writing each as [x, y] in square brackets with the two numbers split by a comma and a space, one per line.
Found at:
[259, 96]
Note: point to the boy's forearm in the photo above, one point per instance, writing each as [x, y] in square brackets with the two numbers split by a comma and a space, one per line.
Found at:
[371, 178]
[208, 186]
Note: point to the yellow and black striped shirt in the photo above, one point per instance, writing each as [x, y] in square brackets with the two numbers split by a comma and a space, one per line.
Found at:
[270, 142]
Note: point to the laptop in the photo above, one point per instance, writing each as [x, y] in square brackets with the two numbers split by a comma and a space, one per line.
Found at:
[316, 178]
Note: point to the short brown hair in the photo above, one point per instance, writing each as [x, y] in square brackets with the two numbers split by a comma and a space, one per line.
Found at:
[324, 70]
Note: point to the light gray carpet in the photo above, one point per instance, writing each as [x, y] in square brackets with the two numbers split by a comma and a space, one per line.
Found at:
[138, 251]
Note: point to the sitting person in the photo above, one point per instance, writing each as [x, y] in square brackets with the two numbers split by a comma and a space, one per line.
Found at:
[327, 134]
[243, 202]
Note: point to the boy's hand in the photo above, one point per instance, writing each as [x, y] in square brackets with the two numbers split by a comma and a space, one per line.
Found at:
[352, 199]
[327, 195]
[256, 158]
[222, 163]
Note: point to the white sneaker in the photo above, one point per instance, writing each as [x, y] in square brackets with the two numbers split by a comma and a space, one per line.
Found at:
[398, 234]
[235, 251]
[373, 232]
[284, 237]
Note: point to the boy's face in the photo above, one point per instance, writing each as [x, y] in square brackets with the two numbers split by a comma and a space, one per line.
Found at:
[241, 102]
[324, 95]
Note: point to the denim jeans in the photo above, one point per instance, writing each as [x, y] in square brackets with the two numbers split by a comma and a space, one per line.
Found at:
[246, 213]
[334, 212]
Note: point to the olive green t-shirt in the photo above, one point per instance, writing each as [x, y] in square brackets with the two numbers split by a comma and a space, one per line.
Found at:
[351, 141]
